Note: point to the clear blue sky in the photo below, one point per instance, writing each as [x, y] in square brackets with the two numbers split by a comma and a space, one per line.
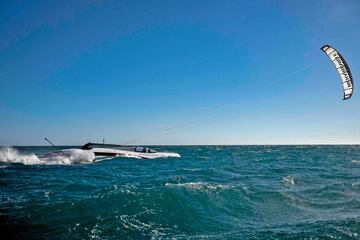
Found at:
[177, 72]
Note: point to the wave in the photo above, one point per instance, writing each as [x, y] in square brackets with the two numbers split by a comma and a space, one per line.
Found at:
[198, 186]
[11, 155]
[356, 185]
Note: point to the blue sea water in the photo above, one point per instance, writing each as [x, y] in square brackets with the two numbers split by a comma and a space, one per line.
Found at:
[211, 192]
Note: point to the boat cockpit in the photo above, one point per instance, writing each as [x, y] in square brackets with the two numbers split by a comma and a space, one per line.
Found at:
[144, 150]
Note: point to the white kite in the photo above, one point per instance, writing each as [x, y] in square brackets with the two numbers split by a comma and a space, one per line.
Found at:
[342, 68]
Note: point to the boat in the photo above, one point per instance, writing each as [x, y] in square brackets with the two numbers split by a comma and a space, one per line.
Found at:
[114, 150]
[102, 150]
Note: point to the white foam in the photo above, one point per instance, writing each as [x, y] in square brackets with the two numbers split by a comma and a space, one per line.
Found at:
[289, 180]
[197, 185]
[11, 155]
[71, 156]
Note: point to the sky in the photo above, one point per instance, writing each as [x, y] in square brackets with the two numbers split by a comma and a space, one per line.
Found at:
[177, 72]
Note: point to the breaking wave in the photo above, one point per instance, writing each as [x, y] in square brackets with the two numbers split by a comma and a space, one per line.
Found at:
[11, 155]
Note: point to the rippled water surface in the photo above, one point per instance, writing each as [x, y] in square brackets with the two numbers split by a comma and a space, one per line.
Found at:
[212, 192]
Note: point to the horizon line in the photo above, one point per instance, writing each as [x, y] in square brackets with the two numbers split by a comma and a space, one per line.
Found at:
[185, 145]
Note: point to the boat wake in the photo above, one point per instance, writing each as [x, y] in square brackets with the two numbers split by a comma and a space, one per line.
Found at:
[11, 155]
[63, 157]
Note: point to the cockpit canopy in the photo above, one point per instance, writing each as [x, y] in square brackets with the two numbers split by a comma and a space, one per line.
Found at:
[144, 150]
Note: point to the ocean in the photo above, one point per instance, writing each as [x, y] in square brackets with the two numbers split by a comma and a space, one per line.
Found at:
[211, 192]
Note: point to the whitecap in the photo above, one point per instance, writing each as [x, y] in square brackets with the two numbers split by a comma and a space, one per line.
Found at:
[198, 186]
[288, 180]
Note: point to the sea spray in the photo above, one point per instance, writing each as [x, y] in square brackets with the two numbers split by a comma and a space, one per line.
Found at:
[11, 155]
[66, 157]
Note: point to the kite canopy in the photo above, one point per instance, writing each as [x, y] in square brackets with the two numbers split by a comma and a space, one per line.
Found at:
[342, 68]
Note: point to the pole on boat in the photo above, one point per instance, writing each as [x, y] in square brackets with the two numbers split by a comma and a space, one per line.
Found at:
[53, 145]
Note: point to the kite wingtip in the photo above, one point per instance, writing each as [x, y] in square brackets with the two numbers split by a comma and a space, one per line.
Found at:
[326, 46]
